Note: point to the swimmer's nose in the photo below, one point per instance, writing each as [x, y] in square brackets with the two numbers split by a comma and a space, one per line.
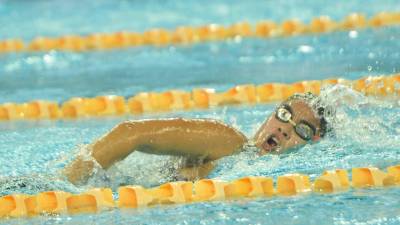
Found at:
[284, 133]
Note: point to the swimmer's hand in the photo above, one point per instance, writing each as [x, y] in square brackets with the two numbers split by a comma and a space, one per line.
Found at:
[195, 172]
[79, 170]
[194, 138]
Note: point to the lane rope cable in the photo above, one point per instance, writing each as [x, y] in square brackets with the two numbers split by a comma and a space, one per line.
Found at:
[187, 35]
[198, 98]
[182, 192]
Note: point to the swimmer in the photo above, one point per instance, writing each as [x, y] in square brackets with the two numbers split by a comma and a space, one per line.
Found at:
[297, 121]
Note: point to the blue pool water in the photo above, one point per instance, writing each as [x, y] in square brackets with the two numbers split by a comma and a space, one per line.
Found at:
[366, 129]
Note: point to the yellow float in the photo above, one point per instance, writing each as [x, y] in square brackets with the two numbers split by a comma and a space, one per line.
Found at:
[198, 98]
[191, 35]
[182, 192]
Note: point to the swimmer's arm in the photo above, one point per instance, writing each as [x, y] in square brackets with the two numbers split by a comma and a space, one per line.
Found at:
[204, 139]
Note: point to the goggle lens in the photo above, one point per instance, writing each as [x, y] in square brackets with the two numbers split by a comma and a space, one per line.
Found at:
[284, 115]
[305, 131]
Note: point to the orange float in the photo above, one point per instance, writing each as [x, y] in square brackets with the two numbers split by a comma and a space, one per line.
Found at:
[209, 190]
[181, 192]
[40, 110]
[241, 94]
[178, 99]
[212, 32]
[70, 43]
[271, 92]
[150, 102]
[127, 39]
[42, 44]
[189, 35]
[50, 202]
[394, 171]
[134, 196]
[184, 35]
[105, 105]
[384, 19]
[371, 176]
[94, 200]
[266, 29]
[173, 192]
[292, 27]
[250, 187]
[332, 181]
[74, 108]
[202, 97]
[291, 89]
[13, 205]
[291, 184]
[157, 37]
[354, 21]
[13, 45]
[11, 111]
[242, 29]
[322, 24]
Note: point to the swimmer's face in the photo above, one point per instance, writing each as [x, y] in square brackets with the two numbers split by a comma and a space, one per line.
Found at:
[292, 124]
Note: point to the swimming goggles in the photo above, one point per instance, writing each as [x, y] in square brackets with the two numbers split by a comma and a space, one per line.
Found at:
[303, 129]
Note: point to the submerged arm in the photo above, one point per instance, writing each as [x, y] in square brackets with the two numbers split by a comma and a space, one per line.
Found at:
[194, 172]
[204, 139]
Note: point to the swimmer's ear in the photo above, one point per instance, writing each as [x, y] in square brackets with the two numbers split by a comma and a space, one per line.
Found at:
[316, 138]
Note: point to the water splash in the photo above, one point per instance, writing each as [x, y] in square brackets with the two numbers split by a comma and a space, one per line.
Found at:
[365, 132]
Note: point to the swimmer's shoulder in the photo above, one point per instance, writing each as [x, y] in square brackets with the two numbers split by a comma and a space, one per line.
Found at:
[196, 137]
[195, 123]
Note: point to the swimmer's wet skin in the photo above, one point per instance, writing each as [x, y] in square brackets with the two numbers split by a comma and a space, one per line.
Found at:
[296, 121]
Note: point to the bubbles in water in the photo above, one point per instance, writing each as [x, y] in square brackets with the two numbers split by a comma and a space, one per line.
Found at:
[305, 49]
[33, 184]
[353, 34]
[371, 55]
[139, 168]
[269, 59]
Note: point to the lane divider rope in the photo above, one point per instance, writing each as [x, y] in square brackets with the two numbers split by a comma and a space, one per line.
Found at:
[190, 34]
[181, 192]
[198, 98]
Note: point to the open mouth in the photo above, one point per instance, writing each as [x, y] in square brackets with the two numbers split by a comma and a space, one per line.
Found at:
[271, 143]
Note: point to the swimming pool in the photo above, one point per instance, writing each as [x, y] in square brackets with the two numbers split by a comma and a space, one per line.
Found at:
[367, 134]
